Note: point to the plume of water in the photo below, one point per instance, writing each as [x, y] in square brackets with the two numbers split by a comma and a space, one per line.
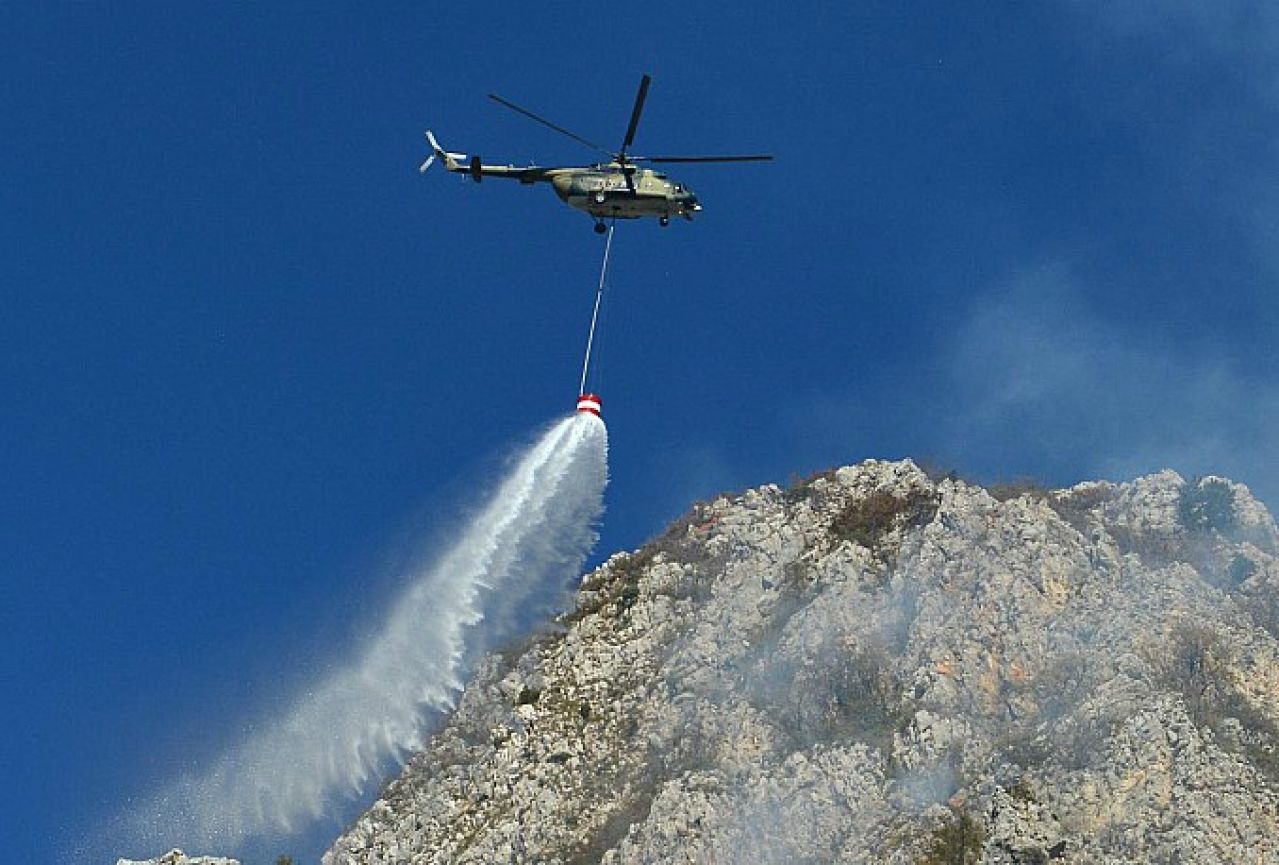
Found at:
[514, 557]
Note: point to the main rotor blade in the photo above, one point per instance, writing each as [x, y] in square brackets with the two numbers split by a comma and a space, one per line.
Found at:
[635, 112]
[757, 157]
[542, 120]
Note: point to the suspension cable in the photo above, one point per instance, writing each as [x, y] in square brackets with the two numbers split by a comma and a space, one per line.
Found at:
[599, 295]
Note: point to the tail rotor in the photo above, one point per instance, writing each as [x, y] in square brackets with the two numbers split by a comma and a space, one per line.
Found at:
[451, 160]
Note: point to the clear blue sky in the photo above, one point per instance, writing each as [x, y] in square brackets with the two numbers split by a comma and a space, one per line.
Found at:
[247, 353]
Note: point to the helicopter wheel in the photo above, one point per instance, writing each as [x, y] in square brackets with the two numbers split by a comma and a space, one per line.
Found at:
[663, 221]
[600, 197]
[600, 228]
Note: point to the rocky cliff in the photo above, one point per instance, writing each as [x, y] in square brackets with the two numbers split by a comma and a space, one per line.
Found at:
[877, 665]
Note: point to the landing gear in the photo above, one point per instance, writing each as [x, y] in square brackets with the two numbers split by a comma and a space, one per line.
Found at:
[663, 221]
[600, 197]
[600, 227]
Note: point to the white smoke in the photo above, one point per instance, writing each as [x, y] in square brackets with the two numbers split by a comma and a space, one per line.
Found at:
[513, 558]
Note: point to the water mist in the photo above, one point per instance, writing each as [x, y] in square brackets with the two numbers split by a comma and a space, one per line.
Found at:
[515, 556]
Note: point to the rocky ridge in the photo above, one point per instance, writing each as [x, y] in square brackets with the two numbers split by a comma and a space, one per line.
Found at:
[877, 665]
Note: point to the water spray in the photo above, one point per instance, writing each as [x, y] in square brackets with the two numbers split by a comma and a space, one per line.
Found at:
[511, 564]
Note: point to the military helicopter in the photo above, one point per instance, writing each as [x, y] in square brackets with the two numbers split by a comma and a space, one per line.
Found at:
[616, 189]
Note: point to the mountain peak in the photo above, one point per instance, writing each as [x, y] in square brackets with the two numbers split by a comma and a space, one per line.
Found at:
[881, 664]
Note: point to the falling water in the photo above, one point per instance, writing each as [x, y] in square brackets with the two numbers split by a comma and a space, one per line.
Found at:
[514, 557]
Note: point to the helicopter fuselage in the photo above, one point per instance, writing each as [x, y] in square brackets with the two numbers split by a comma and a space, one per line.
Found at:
[603, 192]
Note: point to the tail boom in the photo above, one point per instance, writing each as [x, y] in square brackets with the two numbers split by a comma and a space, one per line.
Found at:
[460, 163]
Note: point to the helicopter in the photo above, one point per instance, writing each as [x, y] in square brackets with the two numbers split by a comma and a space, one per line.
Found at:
[616, 189]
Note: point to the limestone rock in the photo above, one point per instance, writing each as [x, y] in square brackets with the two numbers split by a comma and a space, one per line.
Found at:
[879, 666]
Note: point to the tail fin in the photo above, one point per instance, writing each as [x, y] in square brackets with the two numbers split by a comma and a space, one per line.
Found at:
[450, 159]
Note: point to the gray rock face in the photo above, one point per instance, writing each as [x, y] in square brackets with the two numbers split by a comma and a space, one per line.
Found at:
[876, 666]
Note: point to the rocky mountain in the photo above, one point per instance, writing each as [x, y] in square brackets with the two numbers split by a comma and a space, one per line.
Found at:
[875, 666]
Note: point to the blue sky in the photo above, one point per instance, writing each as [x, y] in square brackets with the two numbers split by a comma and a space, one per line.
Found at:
[248, 355]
